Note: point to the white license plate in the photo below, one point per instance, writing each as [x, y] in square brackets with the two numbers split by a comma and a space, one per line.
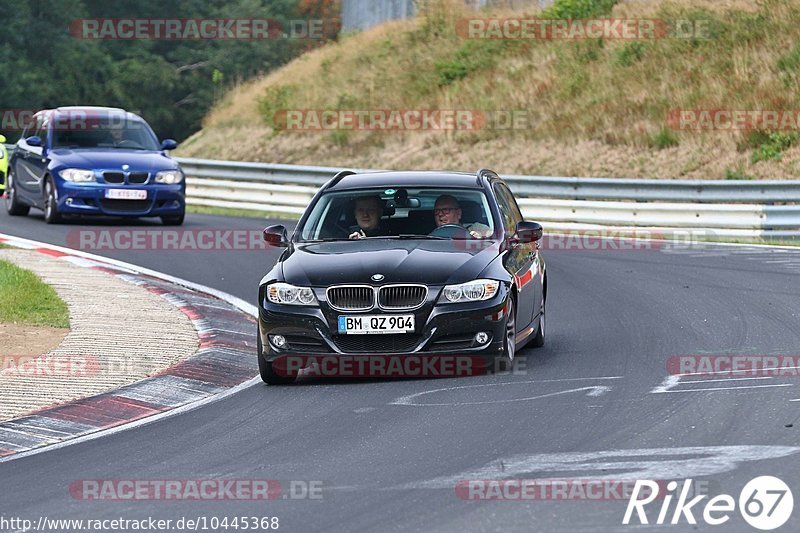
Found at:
[126, 194]
[376, 324]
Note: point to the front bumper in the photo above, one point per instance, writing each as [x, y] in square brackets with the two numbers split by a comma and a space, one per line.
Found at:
[89, 199]
[440, 330]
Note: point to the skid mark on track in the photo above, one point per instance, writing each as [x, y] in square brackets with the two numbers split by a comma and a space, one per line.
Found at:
[617, 465]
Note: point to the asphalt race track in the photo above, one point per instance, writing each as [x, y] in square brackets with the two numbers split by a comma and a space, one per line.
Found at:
[388, 460]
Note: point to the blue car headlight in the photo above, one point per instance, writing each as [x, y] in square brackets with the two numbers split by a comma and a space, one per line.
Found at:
[169, 177]
[77, 175]
[472, 291]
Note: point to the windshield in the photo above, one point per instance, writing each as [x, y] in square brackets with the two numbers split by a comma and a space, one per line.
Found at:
[106, 132]
[389, 213]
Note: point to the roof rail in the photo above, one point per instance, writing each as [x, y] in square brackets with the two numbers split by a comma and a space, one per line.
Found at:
[484, 171]
[338, 177]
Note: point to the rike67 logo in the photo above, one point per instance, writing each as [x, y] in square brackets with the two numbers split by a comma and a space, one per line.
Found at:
[765, 503]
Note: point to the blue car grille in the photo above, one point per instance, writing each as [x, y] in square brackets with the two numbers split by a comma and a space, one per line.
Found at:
[114, 177]
[125, 206]
[136, 178]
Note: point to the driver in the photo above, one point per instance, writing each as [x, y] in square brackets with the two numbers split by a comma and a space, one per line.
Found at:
[368, 212]
[116, 134]
[448, 211]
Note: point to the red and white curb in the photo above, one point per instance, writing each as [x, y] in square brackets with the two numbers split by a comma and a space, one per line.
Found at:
[224, 363]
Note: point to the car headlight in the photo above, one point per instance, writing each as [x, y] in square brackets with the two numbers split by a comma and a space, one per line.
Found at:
[77, 175]
[472, 291]
[284, 293]
[170, 177]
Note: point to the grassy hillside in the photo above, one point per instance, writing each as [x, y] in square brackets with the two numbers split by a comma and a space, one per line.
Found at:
[595, 107]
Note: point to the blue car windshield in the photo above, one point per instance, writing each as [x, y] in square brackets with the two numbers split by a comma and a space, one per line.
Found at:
[127, 135]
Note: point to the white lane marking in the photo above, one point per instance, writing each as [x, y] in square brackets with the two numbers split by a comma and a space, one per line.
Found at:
[593, 390]
[666, 385]
[233, 300]
[641, 463]
[730, 388]
[795, 400]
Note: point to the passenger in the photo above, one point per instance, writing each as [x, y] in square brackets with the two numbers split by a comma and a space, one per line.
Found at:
[368, 212]
[448, 211]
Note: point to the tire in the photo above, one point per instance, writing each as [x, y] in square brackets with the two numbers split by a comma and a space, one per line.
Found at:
[538, 340]
[268, 373]
[506, 360]
[13, 205]
[51, 214]
[173, 220]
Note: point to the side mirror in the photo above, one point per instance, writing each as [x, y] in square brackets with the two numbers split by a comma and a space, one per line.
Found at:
[276, 235]
[34, 140]
[528, 232]
[168, 144]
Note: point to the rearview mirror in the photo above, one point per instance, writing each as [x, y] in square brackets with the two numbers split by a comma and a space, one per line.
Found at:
[276, 235]
[168, 144]
[34, 140]
[528, 232]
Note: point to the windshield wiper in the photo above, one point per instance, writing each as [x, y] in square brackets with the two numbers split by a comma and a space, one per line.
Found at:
[414, 236]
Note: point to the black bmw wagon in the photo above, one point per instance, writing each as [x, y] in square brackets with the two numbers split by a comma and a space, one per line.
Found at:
[402, 265]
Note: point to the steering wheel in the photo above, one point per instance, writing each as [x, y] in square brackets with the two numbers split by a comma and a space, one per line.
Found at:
[127, 143]
[449, 231]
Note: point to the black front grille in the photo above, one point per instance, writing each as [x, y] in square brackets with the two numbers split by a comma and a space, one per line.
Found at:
[125, 206]
[114, 177]
[452, 342]
[402, 296]
[300, 343]
[377, 344]
[359, 298]
[138, 177]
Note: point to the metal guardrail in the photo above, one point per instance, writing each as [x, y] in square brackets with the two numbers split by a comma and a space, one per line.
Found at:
[727, 208]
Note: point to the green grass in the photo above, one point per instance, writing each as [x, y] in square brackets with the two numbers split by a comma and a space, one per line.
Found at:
[230, 212]
[4, 246]
[26, 299]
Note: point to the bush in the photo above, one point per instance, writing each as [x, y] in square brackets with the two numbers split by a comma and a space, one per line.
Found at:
[774, 146]
[276, 98]
[736, 174]
[578, 9]
[665, 138]
[630, 53]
